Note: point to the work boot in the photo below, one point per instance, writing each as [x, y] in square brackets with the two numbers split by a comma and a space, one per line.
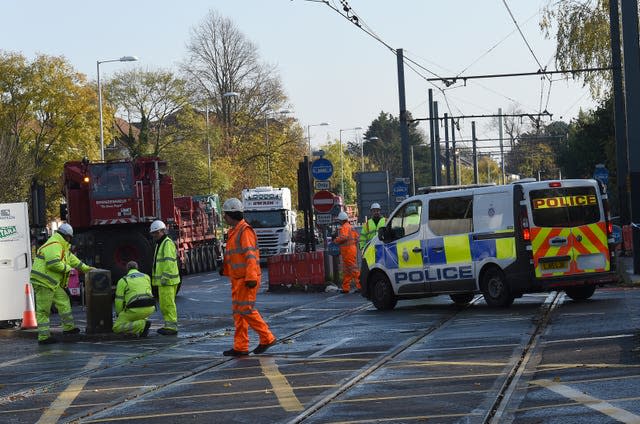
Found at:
[263, 347]
[167, 331]
[233, 352]
[75, 330]
[48, 340]
[145, 332]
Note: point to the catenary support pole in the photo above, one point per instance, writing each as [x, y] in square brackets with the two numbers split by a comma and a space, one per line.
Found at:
[631, 54]
[432, 138]
[622, 160]
[404, 130]
[455, 153]
[436, 129]
[447, 162]
[501, 145]
[475, 152]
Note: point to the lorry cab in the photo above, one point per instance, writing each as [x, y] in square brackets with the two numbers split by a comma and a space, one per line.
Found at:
[501, 241]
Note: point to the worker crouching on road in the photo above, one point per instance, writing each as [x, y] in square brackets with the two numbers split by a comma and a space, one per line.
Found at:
[242, 266]
[165, 276]
[347, 239]
[134, 303]
[49, 277]
[370, 228]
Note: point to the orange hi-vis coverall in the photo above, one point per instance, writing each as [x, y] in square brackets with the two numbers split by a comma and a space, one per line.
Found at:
[348, 241]
[242, 265]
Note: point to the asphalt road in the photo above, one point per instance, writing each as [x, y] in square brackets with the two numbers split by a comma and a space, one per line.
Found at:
[546, 359]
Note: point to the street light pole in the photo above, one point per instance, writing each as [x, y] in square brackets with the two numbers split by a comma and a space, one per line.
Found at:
[362, 148]
[342, 160]
[98, 62]
[323, 124]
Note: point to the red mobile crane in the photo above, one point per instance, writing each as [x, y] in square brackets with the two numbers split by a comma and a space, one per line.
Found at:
[111, 204]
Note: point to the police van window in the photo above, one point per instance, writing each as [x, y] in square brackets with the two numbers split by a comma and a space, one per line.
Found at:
[565, 206]
[407, 218]
[451, 215]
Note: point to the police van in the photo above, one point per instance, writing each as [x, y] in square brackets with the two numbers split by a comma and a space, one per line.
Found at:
[501, 241]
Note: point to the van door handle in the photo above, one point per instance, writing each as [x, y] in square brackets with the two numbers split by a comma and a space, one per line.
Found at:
[416, 249]
[558, 241]
[438, 249]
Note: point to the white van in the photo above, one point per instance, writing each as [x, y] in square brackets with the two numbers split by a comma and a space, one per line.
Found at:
[501, 241]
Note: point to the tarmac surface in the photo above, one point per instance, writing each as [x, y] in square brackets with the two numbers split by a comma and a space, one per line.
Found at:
[546, 359]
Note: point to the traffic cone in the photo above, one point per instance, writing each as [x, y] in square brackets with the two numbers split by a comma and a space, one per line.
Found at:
[29, 314]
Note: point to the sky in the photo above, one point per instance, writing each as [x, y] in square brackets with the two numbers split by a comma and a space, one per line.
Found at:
[331, 70]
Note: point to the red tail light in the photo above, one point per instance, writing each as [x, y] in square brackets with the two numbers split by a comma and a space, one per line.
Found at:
[526, 234]
[524, 223]
[610, 228]
[555, 184]
[607, 216]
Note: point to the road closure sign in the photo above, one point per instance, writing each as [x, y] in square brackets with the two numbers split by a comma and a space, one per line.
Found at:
[323, 201]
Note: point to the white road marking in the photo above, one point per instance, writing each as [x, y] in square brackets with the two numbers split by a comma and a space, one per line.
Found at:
[619, 336]
[589, 401]
[328, 348]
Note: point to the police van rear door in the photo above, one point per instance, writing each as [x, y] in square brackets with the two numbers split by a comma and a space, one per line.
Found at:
[568, 228]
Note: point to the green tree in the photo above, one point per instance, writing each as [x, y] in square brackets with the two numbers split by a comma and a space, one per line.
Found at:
[48, 112]
[582, 39]
[350, 165]
[382, 147]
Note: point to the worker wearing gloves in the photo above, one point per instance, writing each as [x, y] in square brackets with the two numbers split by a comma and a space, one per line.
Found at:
[347, 239]
[134, 302]
[165, 276]
[49, 277]
[370, 228]
[242, 265]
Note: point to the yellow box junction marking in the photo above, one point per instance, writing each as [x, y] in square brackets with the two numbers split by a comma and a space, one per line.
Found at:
[53, 413]
[281, 387]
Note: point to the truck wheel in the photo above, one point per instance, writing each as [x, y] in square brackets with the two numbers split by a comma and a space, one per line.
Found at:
[187, 263]
[382, 294]
[121, 247]
[495, 288]
[208, 258]
[198, 256]
[580, 293]
[461, 298]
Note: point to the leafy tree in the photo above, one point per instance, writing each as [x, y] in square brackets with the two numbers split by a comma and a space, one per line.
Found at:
[150, 100]
[48, 112]
[582, 39]
[350, 165]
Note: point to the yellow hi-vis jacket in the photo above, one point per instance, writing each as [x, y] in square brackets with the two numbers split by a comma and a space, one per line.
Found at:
[370, 230]
[54, 261]
[133, 291]
[165, 263]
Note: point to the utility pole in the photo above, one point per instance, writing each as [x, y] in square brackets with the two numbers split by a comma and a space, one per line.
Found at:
[475, 152]
[432, 138]
[446, 148]
[622, 159]
[436, 127]
[629, 11]
[501, 145]
[455, 154]
[404, 130]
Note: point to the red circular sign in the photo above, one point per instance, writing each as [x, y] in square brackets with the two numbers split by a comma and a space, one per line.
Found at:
[323, 201]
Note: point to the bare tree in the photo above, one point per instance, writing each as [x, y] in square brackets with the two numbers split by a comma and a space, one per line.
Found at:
[220, 59]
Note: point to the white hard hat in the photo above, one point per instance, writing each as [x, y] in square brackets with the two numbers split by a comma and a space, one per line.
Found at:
[157, 225]
[342, 216]
[232, 205]
[66, 229]
[375, 206]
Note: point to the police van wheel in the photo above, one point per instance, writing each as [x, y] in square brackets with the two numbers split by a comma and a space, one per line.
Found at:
[461, 298]
[382, 293]
[580, 293]
[495, 289]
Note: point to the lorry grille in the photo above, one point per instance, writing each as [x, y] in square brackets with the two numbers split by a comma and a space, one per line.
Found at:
[268, 244]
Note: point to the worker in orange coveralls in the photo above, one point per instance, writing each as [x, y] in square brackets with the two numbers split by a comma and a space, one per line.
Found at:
[242, 266]
[348, 241]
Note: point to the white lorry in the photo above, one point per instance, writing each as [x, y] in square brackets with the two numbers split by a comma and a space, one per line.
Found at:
[268, 211]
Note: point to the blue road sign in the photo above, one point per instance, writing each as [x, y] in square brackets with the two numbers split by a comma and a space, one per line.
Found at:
[322, 169]
[601, 174]
[333, 249]
[400, 189]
